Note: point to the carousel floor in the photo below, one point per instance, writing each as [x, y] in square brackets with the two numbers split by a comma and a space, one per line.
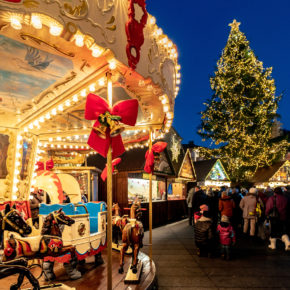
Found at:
[95, 277]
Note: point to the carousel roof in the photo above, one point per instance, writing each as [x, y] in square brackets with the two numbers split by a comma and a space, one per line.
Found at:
[54, 53]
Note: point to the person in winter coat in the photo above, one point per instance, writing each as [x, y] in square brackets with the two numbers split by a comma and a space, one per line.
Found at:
[198, 199]
[248, 205]
[227, 237]
[276, 210]
[226, 205]
[203, 233]
[190, 188]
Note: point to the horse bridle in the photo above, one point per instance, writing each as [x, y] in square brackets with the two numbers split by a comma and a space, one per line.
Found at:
[56, 217]
[10, 223]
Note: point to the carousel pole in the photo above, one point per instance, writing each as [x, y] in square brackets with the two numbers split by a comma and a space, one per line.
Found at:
[109, 194]
[150, 200]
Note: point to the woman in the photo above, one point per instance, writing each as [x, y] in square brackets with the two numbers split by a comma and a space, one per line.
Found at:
[226, 205]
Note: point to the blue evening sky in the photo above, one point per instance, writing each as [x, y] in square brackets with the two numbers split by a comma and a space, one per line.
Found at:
[200, 30]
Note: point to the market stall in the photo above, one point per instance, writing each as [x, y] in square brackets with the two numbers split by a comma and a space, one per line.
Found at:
[211, 173]
[54, 56]
[278, 174]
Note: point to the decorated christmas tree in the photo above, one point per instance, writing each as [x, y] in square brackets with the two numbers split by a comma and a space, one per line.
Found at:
[240, 114]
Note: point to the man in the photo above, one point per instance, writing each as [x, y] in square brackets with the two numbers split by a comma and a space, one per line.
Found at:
[199, 198]
[190, 193]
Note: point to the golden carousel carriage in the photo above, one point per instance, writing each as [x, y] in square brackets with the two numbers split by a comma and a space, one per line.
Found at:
[53, 55]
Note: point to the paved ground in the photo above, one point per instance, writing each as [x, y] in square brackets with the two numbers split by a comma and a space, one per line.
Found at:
[178, 267]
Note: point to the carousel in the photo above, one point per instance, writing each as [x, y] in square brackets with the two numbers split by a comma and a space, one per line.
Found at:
[77, 78]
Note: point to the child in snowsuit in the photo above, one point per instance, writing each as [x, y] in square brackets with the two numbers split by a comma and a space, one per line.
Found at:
[227, 237]
[203, 233]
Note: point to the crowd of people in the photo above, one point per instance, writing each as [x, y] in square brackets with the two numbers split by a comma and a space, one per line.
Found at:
[219, 216]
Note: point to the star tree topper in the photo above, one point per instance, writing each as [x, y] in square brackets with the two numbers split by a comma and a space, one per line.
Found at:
[235, 25]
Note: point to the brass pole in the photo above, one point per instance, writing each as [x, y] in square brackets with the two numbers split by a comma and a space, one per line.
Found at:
[150, 200]
[109, 195]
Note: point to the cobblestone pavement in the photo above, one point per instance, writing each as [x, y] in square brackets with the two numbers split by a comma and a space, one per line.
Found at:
[253, 265]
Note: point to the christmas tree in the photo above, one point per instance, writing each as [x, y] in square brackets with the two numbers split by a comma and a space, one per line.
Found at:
[240, 114]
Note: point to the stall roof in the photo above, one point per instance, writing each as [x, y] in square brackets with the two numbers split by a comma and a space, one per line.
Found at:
[133, 160]
[203, 168]
[264, 174]
[186, 168]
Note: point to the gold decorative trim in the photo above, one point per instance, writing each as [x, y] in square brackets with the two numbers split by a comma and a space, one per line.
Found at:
[8, 181]
[26, 36]
[105, 9]
[76, 12]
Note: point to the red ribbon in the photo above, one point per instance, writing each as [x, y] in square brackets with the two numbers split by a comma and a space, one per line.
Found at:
[95, 106]
[105, 171]
[48, 165]
[149, 156]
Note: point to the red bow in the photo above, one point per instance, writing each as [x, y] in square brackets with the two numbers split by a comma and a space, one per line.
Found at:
[125, 111]
[48, 165]
[114, 163]
[149, 156]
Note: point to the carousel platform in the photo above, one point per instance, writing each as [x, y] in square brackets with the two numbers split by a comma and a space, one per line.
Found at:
[95, 277]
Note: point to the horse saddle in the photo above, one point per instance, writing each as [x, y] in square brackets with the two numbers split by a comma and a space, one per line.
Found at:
[33, 241]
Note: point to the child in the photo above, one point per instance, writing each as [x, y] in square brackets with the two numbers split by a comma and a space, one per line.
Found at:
[203, 234]
[227, 237]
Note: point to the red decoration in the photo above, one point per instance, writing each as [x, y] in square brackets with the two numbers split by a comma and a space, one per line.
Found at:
[13, 1]
[21, 206]
[149, 156]
[114, 163]
[95, 106]
[48, 165]
[134, 31]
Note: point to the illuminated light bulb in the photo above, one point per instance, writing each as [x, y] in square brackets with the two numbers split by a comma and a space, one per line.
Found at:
[36, 123]
[58, 146]
[60, 108]
[173, 50]
[17, 163]
[178, 75]
[64, 146]
[58, 138]
[101, 82]
[71, 147]
[51, 145]
[50, 139]
[79, 40]
[77, 147]
[45, 145]
[144, 131]
[82, 147]
[169, 115]
[30, 126]
[170, 44]
[67, 103]
[77, 137]
[168, 125]
[18, 155]
[85, 136]
[164, 101]
[25, 129]
[53, 112]
[159, 31]
[15, 22]
[55, 30]
[178, 67]
[177, 89]
[16, 180]
[36, 22]
[17, 171]
[41, 119]
[96, 52]
[47, 116]
[164, 40]
[18, 146]
[19, 138]
[75, 98]
[152, 20]
[92, 88]
[83, 93]
[178, 82]
[166, 131]
[14, 197]
[112, 64]
[166, 109]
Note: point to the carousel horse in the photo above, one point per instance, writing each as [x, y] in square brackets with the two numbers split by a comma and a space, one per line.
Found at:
[49, 243]
[132, 235]
[118, 222]
[11, 220]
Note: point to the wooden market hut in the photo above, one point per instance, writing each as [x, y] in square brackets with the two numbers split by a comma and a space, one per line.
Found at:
[275, 175]
[211, 173]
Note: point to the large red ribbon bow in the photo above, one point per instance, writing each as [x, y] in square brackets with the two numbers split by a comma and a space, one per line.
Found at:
[48, 165]
[105, 171]
[149, 156]
[98, 109]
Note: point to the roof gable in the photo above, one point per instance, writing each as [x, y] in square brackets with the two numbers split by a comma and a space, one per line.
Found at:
[186, 169]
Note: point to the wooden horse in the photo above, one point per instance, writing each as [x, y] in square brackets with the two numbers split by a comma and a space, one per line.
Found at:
[132, 235]
[11, 220]
[49, 243]
[118, 223]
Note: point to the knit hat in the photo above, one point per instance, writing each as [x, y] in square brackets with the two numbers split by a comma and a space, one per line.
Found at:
[225, 219]
[253, 190]
[203, 207]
